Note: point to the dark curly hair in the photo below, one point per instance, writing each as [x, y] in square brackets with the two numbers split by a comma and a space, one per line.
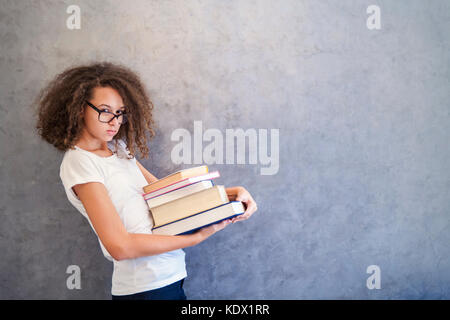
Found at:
[60, 105]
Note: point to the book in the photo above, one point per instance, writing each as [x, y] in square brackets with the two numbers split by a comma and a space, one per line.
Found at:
[201, 219]
[189, 205]
[175, 177]
[180, 184]
[179, 193]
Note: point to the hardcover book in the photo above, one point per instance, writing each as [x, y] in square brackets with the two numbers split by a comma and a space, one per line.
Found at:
[175, 177]
[189, 205]
[179, 193]
[201, 219]
[182, 183]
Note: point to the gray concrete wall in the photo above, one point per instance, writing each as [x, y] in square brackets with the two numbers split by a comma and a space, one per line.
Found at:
[363, 120]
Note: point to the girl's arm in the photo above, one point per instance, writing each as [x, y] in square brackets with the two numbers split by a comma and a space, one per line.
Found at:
[123, 245]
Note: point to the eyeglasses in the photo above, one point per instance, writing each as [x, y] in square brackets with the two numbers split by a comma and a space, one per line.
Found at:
[107, 116]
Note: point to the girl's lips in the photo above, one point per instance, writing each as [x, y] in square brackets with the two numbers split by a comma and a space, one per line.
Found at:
[111, 132]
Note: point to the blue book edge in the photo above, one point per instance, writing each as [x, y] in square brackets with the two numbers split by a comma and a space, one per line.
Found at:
[193, 230]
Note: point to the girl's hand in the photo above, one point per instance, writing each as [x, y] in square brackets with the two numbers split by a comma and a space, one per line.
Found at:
[241, 194]
[208, 231]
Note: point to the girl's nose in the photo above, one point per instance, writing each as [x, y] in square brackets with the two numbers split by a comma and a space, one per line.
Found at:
[115, 121]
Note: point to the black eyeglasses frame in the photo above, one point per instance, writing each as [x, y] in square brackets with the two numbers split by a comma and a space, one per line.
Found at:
[123, 114]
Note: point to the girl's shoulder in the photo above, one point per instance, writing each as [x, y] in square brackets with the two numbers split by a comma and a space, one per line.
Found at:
[122, 151]
[76, 156]
[80, 155]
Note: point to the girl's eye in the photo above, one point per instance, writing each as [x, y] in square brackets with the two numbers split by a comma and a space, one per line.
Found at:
[106, 110]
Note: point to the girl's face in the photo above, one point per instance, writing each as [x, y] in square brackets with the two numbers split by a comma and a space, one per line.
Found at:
[104, 98]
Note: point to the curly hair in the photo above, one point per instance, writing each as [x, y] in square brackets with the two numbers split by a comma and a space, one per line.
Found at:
[60, 105]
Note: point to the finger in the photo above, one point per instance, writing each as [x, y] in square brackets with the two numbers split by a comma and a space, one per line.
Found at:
[224, 223]
[237, 218]
[242, 198]
[250, 208]
[241, 217]
[253, 207]
[248, 201]
[247, 214]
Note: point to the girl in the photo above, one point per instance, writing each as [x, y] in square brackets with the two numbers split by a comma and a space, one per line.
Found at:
[99, 115]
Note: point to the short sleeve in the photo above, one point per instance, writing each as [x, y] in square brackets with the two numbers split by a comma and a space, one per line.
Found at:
[78, 168]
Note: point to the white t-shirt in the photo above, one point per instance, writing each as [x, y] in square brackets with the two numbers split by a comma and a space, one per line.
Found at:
[124, 181]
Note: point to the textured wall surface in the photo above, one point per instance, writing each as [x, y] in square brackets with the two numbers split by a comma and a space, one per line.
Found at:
[363, 119]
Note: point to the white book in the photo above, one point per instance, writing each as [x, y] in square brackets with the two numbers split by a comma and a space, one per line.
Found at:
[179, 193]
[201, 219]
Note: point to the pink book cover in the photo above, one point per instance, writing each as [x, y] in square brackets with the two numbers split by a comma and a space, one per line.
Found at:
[180, 184]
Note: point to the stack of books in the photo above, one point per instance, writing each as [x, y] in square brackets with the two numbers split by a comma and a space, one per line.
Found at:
[187, 200]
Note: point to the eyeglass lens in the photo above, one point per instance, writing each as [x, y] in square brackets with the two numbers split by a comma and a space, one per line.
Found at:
[107, 117]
